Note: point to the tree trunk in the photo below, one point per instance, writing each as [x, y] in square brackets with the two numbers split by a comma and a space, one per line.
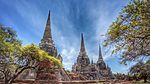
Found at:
[11, 81]
[145, 79]
[6, 81]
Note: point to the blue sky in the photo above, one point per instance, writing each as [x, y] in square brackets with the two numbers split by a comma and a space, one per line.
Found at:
[69, 18]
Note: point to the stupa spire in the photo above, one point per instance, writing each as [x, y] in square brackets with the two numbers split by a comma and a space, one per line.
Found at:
[47, 32]
[83, 57]
[92, 61]
[100, 53]
[82, 49]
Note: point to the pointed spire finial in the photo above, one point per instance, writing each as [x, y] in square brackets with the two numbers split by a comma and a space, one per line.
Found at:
[47, 32]
[48, 19]
[100, 53]
[49, 12]
[92, 61]
[82, 43]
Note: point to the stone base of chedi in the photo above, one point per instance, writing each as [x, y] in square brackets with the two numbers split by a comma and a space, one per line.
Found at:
[46, 73]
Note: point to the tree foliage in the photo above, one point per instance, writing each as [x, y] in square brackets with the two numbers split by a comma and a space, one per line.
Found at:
[33, 52]
[130, 33]
[15, 58]
[141, 70]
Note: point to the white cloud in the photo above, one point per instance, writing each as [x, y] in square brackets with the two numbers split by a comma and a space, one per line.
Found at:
[67, 48]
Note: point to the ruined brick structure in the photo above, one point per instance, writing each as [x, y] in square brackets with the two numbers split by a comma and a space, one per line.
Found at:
[83, 69]
[47, 43]
[46, 70]
[91, 71]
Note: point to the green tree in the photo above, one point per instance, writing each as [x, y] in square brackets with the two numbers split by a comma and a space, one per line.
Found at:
[130, 33]
[141, 70]
[14, 58]
[9, 45]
